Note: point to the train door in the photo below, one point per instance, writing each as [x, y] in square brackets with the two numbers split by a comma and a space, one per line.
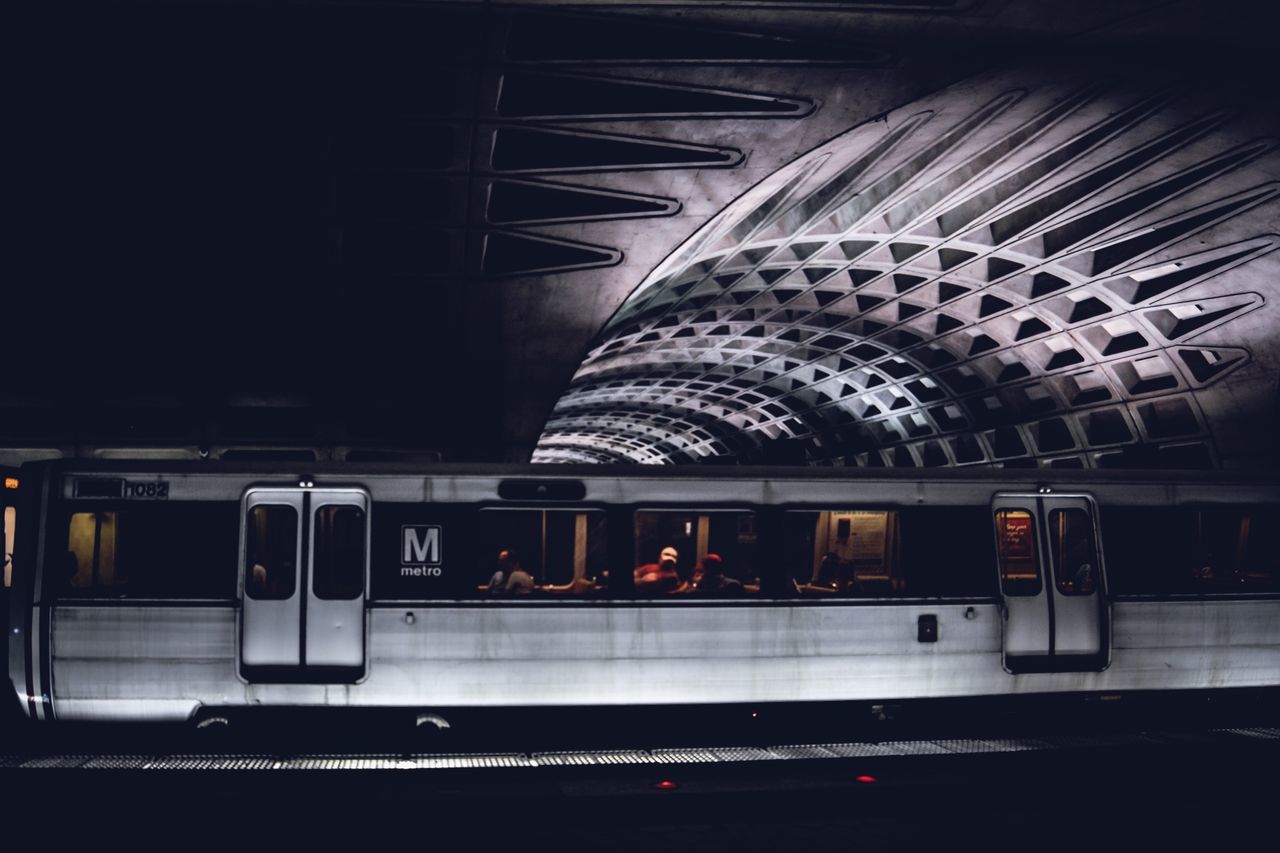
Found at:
[304, 561]
[8, 504]
[1056, 616]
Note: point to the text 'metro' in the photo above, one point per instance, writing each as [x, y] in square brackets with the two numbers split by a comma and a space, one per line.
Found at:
[420, 550]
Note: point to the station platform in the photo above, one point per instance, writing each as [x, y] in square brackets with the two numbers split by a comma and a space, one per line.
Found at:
[1207, 788]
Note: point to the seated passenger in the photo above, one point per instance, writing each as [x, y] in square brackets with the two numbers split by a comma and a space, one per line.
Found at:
[660, 576]
[830, 571]
[713, 579]
[510, 576]
[258, 580]
[829, 577]
[1082, 582]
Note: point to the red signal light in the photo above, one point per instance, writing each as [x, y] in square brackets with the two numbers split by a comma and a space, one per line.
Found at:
[666, 785]
[867, 780]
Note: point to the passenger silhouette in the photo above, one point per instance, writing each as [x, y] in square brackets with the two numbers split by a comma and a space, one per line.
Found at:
[510, 576]
[714, 580]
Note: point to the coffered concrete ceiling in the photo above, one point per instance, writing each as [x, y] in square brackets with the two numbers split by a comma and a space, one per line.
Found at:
[924, 233]
[1039, 265]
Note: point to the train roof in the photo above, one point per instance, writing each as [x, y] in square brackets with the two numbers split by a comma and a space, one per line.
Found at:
[693, 472]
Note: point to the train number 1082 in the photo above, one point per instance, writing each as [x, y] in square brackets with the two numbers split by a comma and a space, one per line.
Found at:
[153, 489]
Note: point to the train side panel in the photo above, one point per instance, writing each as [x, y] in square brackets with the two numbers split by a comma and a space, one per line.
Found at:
[159, 663]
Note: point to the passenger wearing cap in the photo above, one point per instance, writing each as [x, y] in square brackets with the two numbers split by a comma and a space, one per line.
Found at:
[660, 576]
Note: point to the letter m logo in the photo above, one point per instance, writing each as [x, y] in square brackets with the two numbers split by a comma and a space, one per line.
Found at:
[420, 544]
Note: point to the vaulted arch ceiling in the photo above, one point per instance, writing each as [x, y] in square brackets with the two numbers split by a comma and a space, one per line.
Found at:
[1034, 267]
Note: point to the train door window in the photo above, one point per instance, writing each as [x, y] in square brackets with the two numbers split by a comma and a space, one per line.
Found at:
[548, 552]
[1075, 557]
[10, 529]
[91, 552]
[711, 553]
[1016, 550]
[339, 552]
[271, 552]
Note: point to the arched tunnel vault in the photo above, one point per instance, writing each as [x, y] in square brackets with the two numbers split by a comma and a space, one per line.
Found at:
[1018, 270]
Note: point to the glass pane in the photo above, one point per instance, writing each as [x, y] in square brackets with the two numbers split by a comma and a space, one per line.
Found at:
[711, 554]
[177, 550]
[1260, 566]
[1181, 550]
[549, 552]
[1016, 548]
[339, 552]
[271, 552]
[1075, 559]
[90, 564]
[844, 553]
[931, 551]
[10, 529]
[947, 551]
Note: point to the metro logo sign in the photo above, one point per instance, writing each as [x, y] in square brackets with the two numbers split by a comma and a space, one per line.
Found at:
[420, 551]
[420, 545]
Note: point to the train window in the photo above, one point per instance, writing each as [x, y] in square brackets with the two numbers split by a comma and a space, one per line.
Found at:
[710, 554]
[91, 551]
[1016, 547]
[10, 529]
[157, 550]
[844, 552]
[339, 552]
[1075, 558]
[947, 551]
[271, 552]
[548, 552]
[1192, 551]
[862, 553]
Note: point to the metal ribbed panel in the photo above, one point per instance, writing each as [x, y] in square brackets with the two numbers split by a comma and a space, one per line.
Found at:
[466, 762]
[211, 762]
[913, 747]
[330, 762]
[56, 761]
[613, 756]
[859, 750]
[623, 756]
[744, 753]
[684, 756]
[118, 762]
[795, 751]
[564, 759]
[1265, 734]
[970, 746]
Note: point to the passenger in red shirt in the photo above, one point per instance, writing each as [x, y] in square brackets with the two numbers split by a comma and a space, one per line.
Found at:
[660, 576]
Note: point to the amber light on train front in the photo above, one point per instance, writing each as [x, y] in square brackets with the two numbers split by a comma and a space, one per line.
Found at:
[11, 482]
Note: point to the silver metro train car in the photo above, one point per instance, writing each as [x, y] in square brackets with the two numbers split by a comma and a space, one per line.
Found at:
[168, 592]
